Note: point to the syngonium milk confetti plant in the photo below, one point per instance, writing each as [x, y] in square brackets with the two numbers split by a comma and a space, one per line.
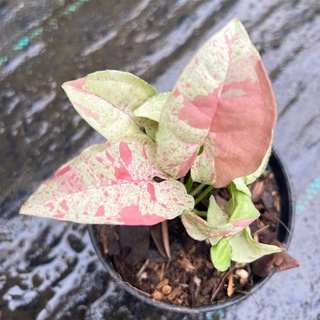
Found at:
[213, 130]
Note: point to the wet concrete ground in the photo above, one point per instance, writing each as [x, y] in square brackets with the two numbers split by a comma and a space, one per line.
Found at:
[48, 269]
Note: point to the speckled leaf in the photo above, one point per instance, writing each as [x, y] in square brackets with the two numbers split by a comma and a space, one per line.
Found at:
[222, 103]
[196, 227]
[151, 111]
[245, 249]
[240, 212]
[216, 216]
[107, 100]
[111, 183]
[199, 229]
[153, 107]
[151, 128]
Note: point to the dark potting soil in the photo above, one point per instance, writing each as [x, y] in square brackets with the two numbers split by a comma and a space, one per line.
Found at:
[188, 278]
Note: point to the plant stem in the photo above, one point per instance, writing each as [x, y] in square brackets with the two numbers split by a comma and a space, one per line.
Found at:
[189, 184]
[203, 214]
[197, 189]
[203, 194]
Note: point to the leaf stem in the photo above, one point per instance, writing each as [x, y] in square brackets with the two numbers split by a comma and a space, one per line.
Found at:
[197, 189]
[203, 194]
[203, 214]
[189, 184]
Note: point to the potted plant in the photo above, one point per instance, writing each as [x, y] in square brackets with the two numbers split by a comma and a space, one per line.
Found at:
[168, 155]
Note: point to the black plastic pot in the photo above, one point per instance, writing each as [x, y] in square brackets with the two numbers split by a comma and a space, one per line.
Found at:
[286, 216]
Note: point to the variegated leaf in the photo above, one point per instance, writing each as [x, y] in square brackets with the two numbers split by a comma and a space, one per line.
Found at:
[196, 227]
[240, 248]
[151, 111]
[107, 100]
[240, 213]
[111, 183]
[245, 249]
[199, 229]
[152, 108]
[222, 102]
[216, 216]
[151, 128]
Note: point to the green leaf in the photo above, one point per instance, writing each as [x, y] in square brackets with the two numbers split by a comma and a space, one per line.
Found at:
[200, 229]
[221, 255]
[240, 185]
[111, 183]
[151, 111]
[107, 101]
[216, 216]
[151, 128]
[240, 207]
[245, 249]
[222, 102]
[153, 107]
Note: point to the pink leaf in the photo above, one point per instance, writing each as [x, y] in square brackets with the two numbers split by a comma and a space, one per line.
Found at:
[224, 103]
[200, 229]
[111, 183]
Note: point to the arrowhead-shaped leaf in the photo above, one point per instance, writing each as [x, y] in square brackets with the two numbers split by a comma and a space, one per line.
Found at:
[222, 103]
[153, 107]
[216, 216]
[245, 249]
[199, 229]
[196, 227]
[240, 248]
[107, 100]
[111, 183]
[240, 213]
[151, 111]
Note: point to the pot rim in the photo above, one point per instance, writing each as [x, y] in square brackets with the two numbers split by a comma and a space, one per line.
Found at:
[286, 216]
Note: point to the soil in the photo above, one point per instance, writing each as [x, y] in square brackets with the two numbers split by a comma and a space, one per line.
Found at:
[188, 278]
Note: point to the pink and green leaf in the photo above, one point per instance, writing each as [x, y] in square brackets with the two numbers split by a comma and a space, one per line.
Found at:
[107, 101]
[221, 223]
[111, 183]
[199, 229]
[196, 227]
[239, 213]
[222, 102]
